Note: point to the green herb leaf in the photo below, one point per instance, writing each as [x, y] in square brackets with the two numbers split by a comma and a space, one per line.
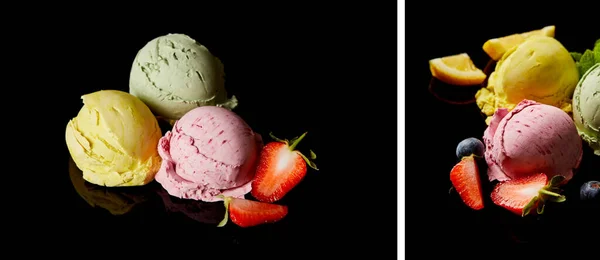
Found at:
[586, 62]
[529, 206]
[597, 51]
[576, 56]
[312, 155]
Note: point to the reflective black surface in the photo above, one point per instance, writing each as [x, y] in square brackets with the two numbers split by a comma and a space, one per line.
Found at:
[294, 68]
[269, 101]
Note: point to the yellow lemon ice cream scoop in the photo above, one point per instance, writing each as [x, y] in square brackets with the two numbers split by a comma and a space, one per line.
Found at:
[539, 69]
[114, 139]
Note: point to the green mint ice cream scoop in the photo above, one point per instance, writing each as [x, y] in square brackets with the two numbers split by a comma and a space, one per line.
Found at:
[174, 74]
[586, 107]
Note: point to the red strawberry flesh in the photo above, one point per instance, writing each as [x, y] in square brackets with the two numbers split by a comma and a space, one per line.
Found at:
[247, 213]
[465, 179]
[280, 168]
[278, 171]
[515, 194]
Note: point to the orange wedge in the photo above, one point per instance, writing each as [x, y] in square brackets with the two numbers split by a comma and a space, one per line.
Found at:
[496, 47]
[456, 70]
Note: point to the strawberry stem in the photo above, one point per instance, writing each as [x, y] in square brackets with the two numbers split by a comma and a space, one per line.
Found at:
[297, 140]
[546, 194]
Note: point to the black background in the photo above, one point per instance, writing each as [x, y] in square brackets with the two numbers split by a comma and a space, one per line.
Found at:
[323, 68]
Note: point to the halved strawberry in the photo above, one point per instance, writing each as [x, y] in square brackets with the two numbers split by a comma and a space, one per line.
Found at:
[248, 213]
[465, 179]
[522, 195]
[280, 168]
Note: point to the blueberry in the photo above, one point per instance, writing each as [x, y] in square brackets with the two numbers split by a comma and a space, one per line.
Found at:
[590, 190]
[469, 146]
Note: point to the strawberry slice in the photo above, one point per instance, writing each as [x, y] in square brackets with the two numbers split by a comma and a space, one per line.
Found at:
[280, 168]
[248, 213]
[465, 179]
[522, 195]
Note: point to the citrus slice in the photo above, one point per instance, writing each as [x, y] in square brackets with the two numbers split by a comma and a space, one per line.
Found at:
[496, 47]
[456, 70]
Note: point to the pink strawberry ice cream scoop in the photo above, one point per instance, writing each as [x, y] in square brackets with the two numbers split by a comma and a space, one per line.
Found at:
[532, 138]
[210, 151]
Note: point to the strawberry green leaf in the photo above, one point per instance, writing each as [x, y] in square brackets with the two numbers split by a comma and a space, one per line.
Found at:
[529, 206]
[312, 155]
[308, 162]
[586, 62]
[549, 193]
[540, 208]
[226, 201]
[558, 199]
[277, 139]
[557, 180]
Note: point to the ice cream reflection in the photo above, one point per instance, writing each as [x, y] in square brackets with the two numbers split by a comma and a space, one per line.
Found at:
[204, 212]
[116, 200]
